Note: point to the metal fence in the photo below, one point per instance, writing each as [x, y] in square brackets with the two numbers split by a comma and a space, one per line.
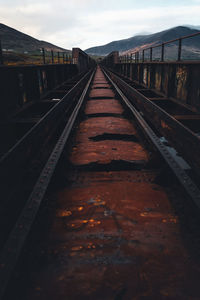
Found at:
[163, 51]
[10, 57]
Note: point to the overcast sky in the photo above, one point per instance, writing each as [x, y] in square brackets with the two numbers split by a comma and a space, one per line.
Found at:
[87, 23]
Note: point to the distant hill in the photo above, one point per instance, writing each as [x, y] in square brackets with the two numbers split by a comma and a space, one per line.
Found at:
[191, 46]
[17, 41]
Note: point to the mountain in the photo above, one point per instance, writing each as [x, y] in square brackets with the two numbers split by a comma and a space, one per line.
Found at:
[193, 26]
[143, 41]
[17, 41]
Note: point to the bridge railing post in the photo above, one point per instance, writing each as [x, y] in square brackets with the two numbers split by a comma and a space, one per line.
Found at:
[142, 55]
[179, 49]
[1, 54]
[151, 54]
[162, 52]
[52, 57]
[43, 56]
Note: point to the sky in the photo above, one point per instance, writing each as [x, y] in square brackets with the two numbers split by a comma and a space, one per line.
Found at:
[88, 23]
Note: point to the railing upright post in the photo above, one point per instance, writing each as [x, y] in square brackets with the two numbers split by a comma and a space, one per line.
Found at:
[58, 57]
[142, 55]
[63, 57]
[179, 49]
[162, 52]
[52, 57]
[151, 54]
[1, 54]
[43, 56]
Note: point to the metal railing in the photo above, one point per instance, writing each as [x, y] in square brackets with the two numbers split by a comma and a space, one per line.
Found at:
[137, 57]
[55, 57]
[43, 57]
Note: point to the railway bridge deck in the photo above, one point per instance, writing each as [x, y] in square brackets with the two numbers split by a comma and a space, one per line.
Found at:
[101, 195]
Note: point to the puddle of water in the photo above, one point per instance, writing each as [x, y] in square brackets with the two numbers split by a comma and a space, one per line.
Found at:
[96, 201]
[180, 161]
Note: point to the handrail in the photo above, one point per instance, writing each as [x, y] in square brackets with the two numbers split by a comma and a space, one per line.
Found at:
[127, 58]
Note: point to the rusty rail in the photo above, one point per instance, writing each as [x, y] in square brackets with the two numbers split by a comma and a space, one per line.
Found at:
[14, 165]
[19, 233]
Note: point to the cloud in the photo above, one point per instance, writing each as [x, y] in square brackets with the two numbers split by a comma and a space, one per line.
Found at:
[87, 23]
[34, 8]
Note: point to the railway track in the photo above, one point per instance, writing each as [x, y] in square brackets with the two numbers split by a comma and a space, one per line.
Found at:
[169, 117]
[106, 218]
[20, 122]
[21, 165]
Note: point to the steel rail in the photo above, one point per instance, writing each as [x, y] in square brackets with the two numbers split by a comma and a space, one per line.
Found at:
[60, 105]
[12, 249]
[189, 186]
[15, 161]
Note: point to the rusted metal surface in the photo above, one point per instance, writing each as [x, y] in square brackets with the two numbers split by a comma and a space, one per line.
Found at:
[102, 93]
[82, 60]
[114, 234]
[101, 85]
[15, 242]
[21, 85]
[24, 84]
[103, 106]
[176, 80]
[182, 138]
[112, 58]
[161, 144]
[19, 165]
[105, 151]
